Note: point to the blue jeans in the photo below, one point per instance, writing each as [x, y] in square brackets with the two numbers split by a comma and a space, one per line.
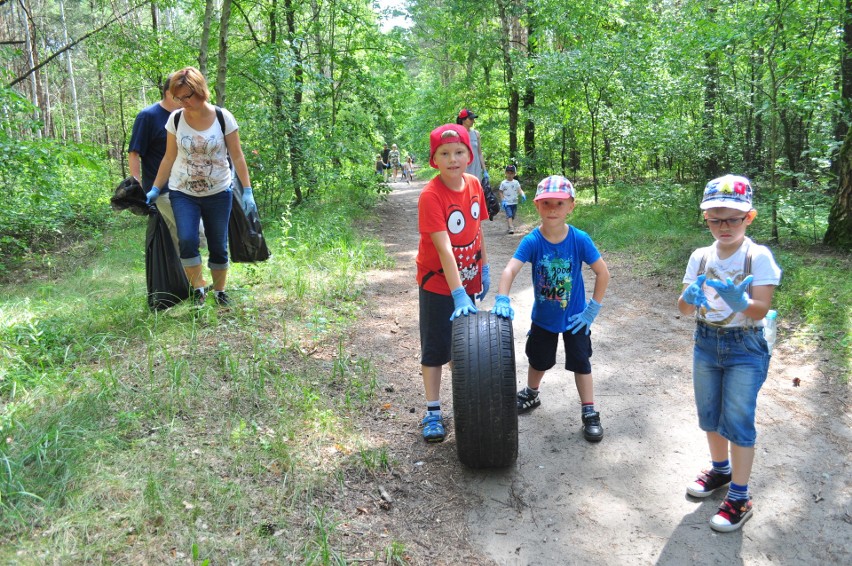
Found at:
[729, 367]
[215, 211]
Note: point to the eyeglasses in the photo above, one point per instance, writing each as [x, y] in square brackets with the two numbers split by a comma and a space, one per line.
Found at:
[182, 99]
[730, 222]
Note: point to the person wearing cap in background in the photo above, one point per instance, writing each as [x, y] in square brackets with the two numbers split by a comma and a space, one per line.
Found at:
[510, 188]
[452, 266]
[477, 166]
[556, 253]
[729, 287]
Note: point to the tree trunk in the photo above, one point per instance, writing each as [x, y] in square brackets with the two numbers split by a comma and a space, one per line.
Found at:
[510, 25]
[529, 102]
[222, 63]
[843, 114]
[78, 137]
[295, 128]
[205, 37]
[839, 233]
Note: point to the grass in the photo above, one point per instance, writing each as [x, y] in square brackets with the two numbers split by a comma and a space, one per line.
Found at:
[135, 436]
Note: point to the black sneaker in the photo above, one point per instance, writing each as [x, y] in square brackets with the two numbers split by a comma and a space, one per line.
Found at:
[198, 297]
[592, 429]
[222, 298]
[527, 400]
[707, 482]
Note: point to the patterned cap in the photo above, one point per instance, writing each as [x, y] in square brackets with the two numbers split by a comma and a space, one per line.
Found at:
[730, 191]
[511, 169]
[555, 186]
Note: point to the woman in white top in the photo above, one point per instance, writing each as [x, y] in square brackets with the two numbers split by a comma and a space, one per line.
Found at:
[199, 175]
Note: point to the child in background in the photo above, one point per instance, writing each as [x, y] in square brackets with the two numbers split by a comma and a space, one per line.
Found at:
[451, 261]
[380, 165]
[557, 252]
[729, 286]
[408, 169]
[509, 190]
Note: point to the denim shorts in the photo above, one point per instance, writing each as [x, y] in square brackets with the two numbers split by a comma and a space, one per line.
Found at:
[729, 366]
[511, 209]
[542, 345]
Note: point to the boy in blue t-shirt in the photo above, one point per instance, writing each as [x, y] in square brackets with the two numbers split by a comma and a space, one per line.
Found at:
[557, 252]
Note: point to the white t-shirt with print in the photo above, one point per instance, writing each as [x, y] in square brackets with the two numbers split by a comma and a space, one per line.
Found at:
[763, 268]
[509, 190]
[201, 166]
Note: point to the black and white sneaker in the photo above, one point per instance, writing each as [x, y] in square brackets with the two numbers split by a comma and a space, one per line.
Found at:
[527, 400]
[707, 482]
[222, 298]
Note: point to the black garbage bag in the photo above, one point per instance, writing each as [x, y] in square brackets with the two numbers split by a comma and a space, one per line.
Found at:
[129, 195]
[245, 235]
[167, 282]
[491, 202]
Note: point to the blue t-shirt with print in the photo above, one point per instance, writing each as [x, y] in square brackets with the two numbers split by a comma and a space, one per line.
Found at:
[557, 275]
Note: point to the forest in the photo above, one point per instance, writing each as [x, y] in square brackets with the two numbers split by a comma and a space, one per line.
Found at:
[635, 92]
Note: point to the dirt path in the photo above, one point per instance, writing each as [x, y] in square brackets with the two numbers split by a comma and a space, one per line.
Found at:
[618, 502]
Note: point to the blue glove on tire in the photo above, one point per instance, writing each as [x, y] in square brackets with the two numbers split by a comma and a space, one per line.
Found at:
[502, 307]
[248, 201]
[151, 196]
[694, 294]
[734, 295]
[486, 281]
[463, 305]
[585, 318]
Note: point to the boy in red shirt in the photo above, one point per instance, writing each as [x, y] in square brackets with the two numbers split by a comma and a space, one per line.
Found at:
[452, 265]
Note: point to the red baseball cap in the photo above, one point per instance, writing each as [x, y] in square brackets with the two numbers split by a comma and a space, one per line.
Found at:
[465, 114]
[448, 133]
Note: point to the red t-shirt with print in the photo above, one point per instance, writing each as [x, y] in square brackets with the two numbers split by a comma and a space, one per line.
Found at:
[459, 214]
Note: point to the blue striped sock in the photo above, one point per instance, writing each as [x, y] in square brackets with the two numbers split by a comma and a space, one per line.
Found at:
[737, 492]
[433, 407]
[723, 467]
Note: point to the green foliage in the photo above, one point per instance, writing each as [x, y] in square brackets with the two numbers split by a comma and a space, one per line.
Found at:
[53, 190]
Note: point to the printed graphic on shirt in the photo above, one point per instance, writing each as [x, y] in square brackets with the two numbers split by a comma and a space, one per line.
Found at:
[721, 272]
[200, 159]
[553, 281]
[467, 255]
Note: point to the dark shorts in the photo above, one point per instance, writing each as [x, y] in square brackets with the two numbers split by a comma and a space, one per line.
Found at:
[542, 344]
[436, 328]
[511, 209]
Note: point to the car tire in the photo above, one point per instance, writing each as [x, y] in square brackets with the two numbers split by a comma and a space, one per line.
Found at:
[485, 411]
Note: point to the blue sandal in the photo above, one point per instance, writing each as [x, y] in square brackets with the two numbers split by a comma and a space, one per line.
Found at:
[433, 428]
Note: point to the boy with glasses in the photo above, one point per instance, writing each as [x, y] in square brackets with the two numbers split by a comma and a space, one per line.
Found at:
[729, 286]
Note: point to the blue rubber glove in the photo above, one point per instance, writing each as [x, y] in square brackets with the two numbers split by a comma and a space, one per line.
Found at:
[585, 318]
[503, 205]
[463, 304]
[734, 295]
[486, 281]
[152, 195]
[485, 176]
[248, 201]
[502, 307]
[523, 197]
[694, 294]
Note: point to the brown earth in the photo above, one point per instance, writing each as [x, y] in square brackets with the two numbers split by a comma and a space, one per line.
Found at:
[566, 501]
